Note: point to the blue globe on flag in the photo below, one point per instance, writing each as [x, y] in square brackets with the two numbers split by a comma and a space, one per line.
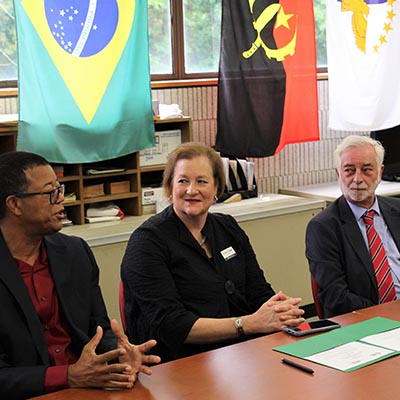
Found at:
[82, 28]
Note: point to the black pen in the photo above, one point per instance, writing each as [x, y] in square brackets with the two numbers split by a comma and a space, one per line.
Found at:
[299, 366]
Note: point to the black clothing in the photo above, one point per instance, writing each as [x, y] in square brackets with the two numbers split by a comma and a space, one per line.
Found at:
[169, 282]
[23, 350]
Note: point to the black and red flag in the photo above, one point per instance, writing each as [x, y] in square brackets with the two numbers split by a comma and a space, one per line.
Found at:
[267, 90]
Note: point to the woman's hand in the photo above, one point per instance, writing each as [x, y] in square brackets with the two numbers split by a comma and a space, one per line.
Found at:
[276, 313]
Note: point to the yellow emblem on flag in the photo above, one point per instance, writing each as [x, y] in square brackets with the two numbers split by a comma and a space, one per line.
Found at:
[380, 25]
[87, 78]
[259, 24]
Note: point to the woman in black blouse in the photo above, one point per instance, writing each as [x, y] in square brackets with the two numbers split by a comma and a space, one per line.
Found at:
[191, 278]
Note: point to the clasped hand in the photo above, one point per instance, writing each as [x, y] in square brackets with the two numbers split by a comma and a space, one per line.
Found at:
[93, 370]
[276, 313]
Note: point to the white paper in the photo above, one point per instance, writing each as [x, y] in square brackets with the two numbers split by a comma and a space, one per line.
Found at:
[250, 174]
[233, 165]
[389, 339]
[103, 210]
[243, 164]
[349, 355]
[225, 163]
[168, 111]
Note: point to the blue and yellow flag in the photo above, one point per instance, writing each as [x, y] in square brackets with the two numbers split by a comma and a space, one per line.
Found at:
[84, 80]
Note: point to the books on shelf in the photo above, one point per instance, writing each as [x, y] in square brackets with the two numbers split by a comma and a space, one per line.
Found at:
[69, 197]
[92, 220]
[105, 209]
[102, 212]
[66, 221]
[102, 170]
[59, 170]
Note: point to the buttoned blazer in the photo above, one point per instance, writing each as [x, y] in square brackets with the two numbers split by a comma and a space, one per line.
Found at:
[339, 259]
[23, 349]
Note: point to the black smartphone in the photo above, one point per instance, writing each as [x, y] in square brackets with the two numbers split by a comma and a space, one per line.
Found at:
[307, 328]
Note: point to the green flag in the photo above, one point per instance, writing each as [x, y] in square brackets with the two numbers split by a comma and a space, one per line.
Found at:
[84, 80]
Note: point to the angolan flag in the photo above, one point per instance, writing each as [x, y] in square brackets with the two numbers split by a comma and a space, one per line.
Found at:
[267, 91]
[363, 46]
[84, 80]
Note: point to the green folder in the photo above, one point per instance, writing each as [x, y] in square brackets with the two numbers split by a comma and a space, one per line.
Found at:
[354, 333]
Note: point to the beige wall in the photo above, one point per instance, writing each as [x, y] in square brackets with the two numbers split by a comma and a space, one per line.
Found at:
[280, 249]
[109, 259]
[296, 164]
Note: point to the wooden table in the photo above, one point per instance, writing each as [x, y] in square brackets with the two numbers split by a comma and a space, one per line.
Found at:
[253, 371]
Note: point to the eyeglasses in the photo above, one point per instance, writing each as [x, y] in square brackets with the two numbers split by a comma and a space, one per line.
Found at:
[54, 194]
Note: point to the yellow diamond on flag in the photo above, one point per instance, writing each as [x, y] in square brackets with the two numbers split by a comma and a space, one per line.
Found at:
[86, 76]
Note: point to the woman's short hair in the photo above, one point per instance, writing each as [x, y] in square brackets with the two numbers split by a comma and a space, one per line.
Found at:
[359, 141]
[188, 151]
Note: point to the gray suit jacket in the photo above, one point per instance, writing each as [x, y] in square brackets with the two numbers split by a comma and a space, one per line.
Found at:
[339, 259]
[23, 349]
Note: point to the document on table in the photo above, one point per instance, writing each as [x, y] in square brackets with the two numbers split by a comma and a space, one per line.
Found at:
[350, 355]
[389, 339]
[351, 347]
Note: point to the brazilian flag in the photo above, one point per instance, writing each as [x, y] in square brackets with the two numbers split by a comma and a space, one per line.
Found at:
[84, 80]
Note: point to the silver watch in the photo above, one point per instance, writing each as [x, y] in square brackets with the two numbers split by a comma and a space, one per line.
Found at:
[239, 326]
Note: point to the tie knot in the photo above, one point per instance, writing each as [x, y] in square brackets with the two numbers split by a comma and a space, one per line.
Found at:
[368, 217]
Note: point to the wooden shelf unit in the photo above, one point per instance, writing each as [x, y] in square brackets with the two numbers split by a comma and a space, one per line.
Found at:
[151, 175]
[8, 135]
[75, 178]
[130, 203]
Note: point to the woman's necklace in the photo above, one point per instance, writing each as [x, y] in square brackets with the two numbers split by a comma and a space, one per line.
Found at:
[203, 241]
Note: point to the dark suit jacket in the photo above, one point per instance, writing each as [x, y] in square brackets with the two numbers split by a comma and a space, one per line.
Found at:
[23, 349]
[339, 259]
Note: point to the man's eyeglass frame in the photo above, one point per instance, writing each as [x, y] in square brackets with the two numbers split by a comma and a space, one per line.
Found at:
[54, 194]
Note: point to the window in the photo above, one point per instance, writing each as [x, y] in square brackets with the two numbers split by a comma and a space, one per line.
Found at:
[202, 32]
[8, 48]
[320, 25]
[196, 23]
[160, 37]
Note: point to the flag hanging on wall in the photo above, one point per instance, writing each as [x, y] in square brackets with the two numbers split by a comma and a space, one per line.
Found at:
[84, 81]
[267, 91]
[363, 46]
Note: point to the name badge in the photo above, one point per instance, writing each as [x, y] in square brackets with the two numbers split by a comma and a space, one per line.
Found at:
[228, 253]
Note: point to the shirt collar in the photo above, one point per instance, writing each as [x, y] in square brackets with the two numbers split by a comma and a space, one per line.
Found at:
[360, 211]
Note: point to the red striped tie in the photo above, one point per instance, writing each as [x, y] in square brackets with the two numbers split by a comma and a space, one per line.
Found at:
[380, 262]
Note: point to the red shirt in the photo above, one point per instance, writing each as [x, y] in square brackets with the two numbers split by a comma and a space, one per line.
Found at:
[40, 285]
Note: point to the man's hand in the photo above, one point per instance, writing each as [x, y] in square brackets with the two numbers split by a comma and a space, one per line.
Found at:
[132, 355]
[92, 370]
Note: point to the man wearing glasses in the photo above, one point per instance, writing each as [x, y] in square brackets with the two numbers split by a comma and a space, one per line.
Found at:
[54, 328]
